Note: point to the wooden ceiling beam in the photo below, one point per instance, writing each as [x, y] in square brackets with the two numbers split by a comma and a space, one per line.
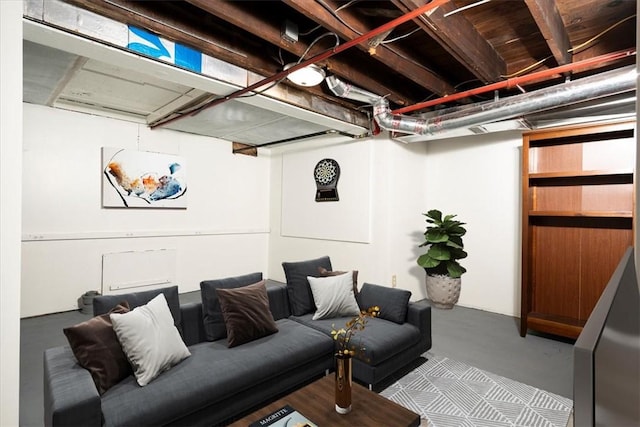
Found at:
[460, 38]
[548, 19]
[410, 69]
[239, 15]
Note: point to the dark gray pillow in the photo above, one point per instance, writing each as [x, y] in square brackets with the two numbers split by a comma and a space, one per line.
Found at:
[212, 317]
[300, 296]
[393, 302]
[102, 304]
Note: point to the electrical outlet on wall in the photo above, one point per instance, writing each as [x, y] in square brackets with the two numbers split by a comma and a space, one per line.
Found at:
[393, 281]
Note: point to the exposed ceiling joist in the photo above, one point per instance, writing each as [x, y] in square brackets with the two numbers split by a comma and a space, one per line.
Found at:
[232, 12]
[458, 37]
[548, 18]
[423, 62]
[392, 58]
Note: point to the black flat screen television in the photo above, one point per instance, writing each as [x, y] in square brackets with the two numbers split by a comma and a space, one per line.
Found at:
[606, 373]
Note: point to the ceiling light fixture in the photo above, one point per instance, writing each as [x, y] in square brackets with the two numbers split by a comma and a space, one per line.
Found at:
[311, 75]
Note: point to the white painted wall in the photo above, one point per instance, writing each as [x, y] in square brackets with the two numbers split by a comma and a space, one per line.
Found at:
[224, 230]
[477, 178]
[10, 194]
[397, 198]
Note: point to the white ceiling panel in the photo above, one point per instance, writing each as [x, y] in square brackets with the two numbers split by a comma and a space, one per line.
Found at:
[44, 70]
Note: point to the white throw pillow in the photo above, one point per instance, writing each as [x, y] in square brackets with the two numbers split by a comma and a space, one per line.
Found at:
[149, 339]
[333, 296]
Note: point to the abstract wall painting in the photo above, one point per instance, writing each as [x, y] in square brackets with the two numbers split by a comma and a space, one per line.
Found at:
[142, 179]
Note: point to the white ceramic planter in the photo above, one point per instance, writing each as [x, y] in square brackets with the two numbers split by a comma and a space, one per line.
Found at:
[443, 291]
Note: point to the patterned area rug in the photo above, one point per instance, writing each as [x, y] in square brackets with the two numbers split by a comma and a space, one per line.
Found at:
[448, 393]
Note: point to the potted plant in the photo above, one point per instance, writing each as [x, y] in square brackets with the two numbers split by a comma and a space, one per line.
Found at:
[443, 238]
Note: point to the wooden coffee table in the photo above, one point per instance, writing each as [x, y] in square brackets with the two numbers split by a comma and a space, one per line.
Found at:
[316, 402]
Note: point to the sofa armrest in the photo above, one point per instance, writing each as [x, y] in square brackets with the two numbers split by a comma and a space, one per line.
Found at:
[70, 395]
[419, 315]
[192, 326]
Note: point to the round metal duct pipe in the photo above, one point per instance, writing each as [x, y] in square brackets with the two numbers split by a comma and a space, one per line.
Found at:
[596, 86]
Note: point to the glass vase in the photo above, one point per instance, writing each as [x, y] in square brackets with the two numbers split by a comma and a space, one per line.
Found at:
[343, 383]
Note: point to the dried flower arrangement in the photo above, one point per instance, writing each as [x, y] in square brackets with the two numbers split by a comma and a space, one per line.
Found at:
[345, 335]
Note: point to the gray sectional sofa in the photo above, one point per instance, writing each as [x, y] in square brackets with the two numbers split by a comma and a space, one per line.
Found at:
[216, 383]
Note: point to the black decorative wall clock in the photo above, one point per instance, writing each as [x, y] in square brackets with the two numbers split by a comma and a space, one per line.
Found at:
[326, 173]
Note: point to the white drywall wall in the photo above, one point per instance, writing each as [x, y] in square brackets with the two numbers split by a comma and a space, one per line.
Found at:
[479, 179]
[10, 194]
[476, 177]
[223, 231]
[397, 197]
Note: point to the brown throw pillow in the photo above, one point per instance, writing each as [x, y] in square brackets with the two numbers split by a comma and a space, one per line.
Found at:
[246, 313]
[96, 346]
[325, 273]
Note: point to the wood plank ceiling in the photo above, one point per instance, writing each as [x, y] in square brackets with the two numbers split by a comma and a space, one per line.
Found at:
[460, 45]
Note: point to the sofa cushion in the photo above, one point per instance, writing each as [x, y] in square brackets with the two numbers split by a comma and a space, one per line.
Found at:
[149, 338]
[246, 313]
[296, 273]
[97, 349]
[323, 272]
[214, 373]
[379, 341]
[393, 302]
[333, 296]
[212, 318]
[102, 304]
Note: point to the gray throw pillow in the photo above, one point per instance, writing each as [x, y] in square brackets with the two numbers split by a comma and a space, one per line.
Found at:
[212, 317]
[393, 302]
[298, 289]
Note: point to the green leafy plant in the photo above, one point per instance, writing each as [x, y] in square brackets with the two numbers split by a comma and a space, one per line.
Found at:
[344, 336]
[444, 240]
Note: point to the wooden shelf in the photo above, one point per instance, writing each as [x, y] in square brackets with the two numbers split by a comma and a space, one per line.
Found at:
[577, 220]
[576, 174]
[587, 214]
[587, 177]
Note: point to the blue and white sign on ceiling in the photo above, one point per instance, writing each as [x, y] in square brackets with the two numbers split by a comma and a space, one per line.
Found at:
[150, 44]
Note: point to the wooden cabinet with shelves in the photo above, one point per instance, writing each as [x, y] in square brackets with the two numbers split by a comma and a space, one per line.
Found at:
[577, 220]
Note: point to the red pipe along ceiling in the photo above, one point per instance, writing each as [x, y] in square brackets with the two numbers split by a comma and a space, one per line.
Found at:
[321, 56]
[515, 81]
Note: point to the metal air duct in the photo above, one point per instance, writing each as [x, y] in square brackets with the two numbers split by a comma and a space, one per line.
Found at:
[596, 86]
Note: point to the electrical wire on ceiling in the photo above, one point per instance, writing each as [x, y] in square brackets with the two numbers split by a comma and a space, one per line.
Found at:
[578, 48]
[574, 50]
[316, 40]
[276, 82]
[527, 68]
[346, 24]
[469, 6]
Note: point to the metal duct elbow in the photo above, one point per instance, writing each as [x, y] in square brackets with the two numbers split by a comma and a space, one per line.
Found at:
[347, 91]
[406, 124]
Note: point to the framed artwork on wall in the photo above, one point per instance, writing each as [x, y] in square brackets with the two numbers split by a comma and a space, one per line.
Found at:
[143, 179]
